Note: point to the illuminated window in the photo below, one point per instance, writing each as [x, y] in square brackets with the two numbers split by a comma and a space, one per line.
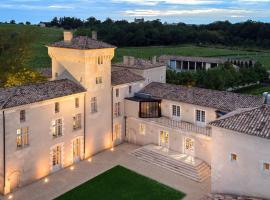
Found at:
[200, 116]
[117, 109]
[77, 122]
[94, 107]
[99, 80]
[57, 128]
[117, 131]
[117, 92]
[56, 107]
[22, 138]
[142, 129]
[57, 156]
[22, 116]
[233, 157]
[175, 111]
[77, 102]
[266, 167]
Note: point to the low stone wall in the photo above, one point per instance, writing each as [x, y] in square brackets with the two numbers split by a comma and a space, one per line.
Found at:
[228, 197]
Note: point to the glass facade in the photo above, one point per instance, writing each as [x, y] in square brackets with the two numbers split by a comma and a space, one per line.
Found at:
[150, 109]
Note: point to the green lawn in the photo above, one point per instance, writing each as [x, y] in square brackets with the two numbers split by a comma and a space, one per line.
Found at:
[39, 55]
[121, 183]
[254, 90]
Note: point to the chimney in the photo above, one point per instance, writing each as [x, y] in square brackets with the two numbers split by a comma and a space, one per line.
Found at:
[68, 36]
[266, 96]
[131, 60]
[94, 35]
[154, 60]
[125, 60]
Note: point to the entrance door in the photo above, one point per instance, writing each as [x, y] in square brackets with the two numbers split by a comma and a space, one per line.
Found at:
[189, 147]
[57, 158]
[164, 139]
[76, 150]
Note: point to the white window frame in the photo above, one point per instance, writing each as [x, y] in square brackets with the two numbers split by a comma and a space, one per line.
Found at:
[55, 128]
[177, 114]
[117, 135]
[94, 105]
[200, 122]
[61, 163]
[77, 122]
[23, 137]
[117, 109]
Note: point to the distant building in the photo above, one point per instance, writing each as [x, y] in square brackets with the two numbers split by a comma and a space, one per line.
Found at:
[139, 20]
[42, 24]
[190, 63]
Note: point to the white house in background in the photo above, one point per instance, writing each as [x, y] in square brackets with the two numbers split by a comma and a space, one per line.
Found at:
[87, 106]
[192, 63]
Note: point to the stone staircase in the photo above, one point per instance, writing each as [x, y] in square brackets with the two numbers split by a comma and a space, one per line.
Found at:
[182, 164]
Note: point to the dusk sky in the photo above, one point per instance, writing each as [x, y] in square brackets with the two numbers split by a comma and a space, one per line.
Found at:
[188, 11]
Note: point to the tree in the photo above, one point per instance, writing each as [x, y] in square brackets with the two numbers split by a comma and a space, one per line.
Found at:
[28, 23]
[12, 21]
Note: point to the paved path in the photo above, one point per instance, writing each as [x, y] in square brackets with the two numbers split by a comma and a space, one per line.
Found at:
[66, 179]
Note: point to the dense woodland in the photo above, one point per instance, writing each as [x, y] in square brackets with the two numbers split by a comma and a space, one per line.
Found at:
[124, 33]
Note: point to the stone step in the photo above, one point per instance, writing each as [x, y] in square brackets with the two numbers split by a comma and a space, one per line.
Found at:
[197, 173]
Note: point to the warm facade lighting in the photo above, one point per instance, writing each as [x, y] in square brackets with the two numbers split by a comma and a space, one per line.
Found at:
[10, 196]
[89, 160]
[112, 149]
[46, 180]
[72, 168]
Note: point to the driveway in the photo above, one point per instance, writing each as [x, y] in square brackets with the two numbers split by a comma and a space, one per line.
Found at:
[66, 179]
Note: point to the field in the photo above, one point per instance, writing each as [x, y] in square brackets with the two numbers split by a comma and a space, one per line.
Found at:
[121, 183]
[39, 57]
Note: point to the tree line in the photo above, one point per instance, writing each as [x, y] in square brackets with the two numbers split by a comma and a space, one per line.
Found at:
[223, 77]
[145, 33]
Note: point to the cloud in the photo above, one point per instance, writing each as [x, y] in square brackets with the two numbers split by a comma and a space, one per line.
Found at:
[191, 12]
[175, 2]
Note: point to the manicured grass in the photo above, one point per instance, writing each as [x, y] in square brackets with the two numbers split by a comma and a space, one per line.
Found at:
[191, 50]
[121, 183]
[39, 55]
[254, 90]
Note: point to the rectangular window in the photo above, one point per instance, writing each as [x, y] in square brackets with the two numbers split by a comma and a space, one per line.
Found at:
[77, 102]
[22, 138]
[130, 89]
[56, 107]
[57, 156]
[57, 126]
[117, 92]
[233, 157]
[99, 80]
[150, 109]
[22, 116]
[117, 131]
[176, 111]
[94, 107]
[266, 167]
[200, 116]
[117, 109]
[100, 60]
[77, 122]
[142, 129]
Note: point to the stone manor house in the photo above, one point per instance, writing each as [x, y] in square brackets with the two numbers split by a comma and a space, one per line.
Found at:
[90, 105]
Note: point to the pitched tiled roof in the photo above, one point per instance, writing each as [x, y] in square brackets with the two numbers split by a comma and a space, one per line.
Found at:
[221, 100]
[82, 42]
[255, 121]
[123, 76]
[139, 64]
[21, 95]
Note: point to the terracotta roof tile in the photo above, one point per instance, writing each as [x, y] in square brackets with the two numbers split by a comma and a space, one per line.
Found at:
[123, 76]
[139, 64]
[221, 100]
[82, 42]
[254, 121]
[26, 94]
